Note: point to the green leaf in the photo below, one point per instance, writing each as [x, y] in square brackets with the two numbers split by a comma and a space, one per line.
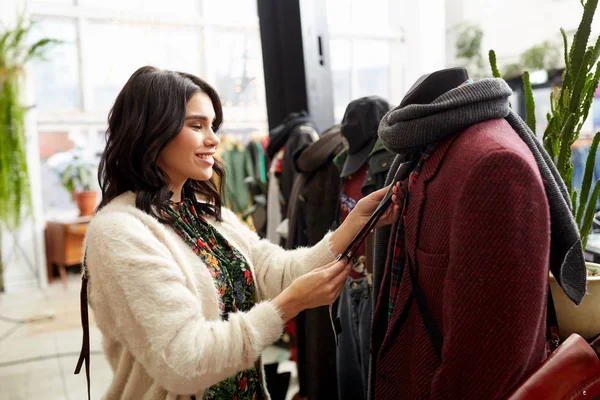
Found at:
[493, 64]
[566, 135]
[568, 176]
[581, 38]
[529, 102]
[589, 92]
[596, 52]
[566, 47]
[574, 201]
[580, 80]
[589, 214]
[38, 48]
[587, 177]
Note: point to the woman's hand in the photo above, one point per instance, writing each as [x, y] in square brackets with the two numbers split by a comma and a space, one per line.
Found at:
[367, 205]
[359, 216]
[319, 287]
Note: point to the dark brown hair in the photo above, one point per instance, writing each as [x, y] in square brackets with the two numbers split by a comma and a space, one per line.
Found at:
[148, 113]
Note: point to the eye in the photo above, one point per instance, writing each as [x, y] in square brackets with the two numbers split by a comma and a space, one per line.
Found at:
[197, 127]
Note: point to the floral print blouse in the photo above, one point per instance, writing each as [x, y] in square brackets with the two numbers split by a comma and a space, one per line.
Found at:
[234, 283]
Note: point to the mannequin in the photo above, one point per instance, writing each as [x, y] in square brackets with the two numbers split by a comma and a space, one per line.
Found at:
[475, 239]
[426, 89]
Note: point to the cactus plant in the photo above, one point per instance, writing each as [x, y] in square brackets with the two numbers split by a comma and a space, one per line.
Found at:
[569, 109]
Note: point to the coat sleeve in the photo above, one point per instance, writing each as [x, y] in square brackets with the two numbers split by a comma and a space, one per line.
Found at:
[497, 281]
[137, 286]
[275, 267]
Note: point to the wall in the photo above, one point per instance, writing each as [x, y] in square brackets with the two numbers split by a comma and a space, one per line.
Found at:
[25, 264]
[512, 26]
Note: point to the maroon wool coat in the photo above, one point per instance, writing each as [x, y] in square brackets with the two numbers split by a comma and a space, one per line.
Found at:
[483, 262]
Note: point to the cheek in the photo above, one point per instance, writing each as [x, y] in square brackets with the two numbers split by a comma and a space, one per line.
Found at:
[185, 144]
[179, 150]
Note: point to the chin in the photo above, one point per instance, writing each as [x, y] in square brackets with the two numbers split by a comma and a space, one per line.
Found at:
[204, 175]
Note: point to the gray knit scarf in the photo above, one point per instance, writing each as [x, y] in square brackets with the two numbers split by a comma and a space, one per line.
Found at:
[406, 130]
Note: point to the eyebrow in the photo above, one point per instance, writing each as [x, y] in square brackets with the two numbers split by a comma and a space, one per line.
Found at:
[200, 117]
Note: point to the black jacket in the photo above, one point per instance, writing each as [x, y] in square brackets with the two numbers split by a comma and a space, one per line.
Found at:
[311, 212]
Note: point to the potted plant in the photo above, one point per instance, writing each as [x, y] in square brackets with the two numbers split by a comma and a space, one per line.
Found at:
[570, 106]
[78, 177]
[15, 194]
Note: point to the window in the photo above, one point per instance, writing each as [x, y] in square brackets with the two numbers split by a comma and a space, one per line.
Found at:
[54, 1]
[232, 9]
[363, 41]
[146, 5]
[105, 41]
[57, 80]
[372, 61]
[373, 14]
[236, 67]
[117, 50]
[341, 61]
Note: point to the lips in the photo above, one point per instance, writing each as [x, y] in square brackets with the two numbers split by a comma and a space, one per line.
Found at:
[207, 158]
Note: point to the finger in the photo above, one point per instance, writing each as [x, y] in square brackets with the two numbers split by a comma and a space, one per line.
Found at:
[340, 290]
[335, 269]
[378, 195]
[326, 266]
[397, 199]
[340, 279]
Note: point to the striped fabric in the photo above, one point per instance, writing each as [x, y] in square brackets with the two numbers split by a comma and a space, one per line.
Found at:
[399, 248]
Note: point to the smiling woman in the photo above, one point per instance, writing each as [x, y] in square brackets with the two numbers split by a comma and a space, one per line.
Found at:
[187, 296]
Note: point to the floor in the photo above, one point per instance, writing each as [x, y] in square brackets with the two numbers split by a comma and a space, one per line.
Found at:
[37, 358]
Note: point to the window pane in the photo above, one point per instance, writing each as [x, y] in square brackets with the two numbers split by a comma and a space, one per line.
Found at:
[57, 79]
[57, 148]
[235, 59]
[230, 9]
[372, 63]
[341, 75]
[373, 13]
[54, 1]
[116, 51]
[338, 12]
[171, 6]
[541, 97]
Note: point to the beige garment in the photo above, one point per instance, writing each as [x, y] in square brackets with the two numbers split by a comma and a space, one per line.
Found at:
[158, 309]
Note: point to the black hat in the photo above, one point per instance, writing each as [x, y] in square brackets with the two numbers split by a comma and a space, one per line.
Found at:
[359, 130]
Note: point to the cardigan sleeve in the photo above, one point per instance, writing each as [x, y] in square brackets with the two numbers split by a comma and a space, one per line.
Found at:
[275, 267]
[140, 289]
[497, 280]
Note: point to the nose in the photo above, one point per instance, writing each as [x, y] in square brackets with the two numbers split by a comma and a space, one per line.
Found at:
[211, 140]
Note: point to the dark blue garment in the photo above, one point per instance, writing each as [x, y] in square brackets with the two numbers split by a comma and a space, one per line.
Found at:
[355, 312]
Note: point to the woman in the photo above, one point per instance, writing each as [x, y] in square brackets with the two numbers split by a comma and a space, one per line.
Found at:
[185, 295]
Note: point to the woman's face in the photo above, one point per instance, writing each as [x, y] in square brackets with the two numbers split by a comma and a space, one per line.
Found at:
[190, 154]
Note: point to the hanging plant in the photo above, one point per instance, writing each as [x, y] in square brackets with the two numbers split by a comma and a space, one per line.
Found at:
[569, 108]
[15, 193]
[15, 52]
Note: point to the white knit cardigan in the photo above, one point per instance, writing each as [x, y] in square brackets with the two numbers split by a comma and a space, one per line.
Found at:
[158, 309]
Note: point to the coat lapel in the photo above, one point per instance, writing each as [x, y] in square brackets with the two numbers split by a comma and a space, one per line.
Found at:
[416, 206]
